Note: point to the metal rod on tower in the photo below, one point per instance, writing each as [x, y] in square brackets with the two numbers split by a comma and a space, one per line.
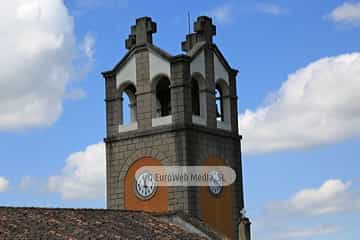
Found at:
[189, 21]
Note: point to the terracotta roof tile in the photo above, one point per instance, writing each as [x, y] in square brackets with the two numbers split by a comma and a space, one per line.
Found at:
[76, 224]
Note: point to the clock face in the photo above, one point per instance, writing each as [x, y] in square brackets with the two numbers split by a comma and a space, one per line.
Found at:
[215, 182]
[145, 185]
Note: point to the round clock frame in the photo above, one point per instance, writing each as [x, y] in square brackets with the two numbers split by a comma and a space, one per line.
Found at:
[141, 185]
[215, 183]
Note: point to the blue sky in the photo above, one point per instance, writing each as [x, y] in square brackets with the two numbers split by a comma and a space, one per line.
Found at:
[298, 88]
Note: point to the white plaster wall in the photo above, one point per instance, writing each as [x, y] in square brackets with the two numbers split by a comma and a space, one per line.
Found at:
[220, 71]
[127, 73]
[198, 64]
[158, 65]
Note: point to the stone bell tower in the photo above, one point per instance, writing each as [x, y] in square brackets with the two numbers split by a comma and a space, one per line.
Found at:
[183, 111]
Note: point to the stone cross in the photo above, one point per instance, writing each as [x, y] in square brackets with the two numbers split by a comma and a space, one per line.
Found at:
[204, 31]
[141, 33]
[204, 27]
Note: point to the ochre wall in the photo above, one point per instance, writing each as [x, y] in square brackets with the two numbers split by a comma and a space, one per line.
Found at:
[217, 210]
[158, 203]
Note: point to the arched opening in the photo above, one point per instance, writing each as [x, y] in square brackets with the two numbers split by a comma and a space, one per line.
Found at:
[163, 97]
[126, 109]
[128, 104]
[223, 109]
[219, 104]
[195, 97]
[199, 99]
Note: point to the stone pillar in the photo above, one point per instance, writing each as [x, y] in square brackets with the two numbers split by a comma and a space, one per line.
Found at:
[233, 102]
[210, 80]
[244, 229]
[113, 106]
[181, 90]
[143, 94]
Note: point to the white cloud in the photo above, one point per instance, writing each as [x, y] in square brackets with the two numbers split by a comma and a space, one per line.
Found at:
[4, 184]
[333, 196]
[29, 183]
[270, 8]
[37, 49]
[222, 14]
[88, 46]
[307, 233]
[83, 176]
[318, 104]
[348, 13]
[75, 94]
[280, 219]
[26, 182]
